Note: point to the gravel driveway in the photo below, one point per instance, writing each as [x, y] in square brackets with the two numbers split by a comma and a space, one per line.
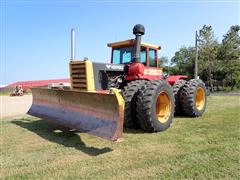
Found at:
[17, 105]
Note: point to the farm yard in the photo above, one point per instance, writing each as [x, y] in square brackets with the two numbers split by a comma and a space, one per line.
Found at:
[78, 77]
[12, 106]
[204, 147]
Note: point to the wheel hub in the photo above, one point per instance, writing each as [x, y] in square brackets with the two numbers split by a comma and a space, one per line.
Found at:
[200, 98]
[163, 107]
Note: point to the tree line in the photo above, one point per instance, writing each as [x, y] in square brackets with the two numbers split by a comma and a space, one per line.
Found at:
[218, 62]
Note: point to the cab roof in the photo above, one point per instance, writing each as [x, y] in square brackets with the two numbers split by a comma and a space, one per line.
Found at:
[130, 42]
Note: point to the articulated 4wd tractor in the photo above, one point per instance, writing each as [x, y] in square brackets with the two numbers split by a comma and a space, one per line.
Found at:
[129, 91]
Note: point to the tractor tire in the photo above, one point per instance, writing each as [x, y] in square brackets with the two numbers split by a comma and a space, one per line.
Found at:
[177, 87]
[130, 93]
[193, 98]
[155, 106]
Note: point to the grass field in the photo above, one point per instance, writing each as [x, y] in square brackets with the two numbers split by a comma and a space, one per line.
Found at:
[205, 147]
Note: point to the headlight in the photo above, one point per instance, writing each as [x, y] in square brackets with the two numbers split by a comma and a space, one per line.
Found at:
[119, 80]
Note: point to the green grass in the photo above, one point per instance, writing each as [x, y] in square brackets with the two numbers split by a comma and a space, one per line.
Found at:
[5, 93]
[193, 148]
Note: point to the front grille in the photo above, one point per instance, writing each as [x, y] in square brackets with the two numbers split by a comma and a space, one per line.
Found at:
[78, 75]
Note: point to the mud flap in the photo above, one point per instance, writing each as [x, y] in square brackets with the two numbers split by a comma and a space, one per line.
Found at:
[99, 114]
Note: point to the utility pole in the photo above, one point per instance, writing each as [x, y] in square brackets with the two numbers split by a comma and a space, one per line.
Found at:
[196, 57]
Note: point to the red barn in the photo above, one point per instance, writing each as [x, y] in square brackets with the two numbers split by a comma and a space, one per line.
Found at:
[26, 84]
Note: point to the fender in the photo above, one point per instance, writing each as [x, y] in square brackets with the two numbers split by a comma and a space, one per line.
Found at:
[172, 79]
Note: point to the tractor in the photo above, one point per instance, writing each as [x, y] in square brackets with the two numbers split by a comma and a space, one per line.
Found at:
[130, 91]
[18, 91]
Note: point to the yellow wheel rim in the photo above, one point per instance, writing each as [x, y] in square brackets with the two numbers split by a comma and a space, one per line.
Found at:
[200, 98]
[163, 107]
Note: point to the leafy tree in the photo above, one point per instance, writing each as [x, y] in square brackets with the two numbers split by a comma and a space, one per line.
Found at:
[183, 61]
[229, 55]
[163, 61]
[208, 48]
[217, 62]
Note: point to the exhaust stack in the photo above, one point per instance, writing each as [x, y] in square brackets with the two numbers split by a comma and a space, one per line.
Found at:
[138, 31]
[73, 45]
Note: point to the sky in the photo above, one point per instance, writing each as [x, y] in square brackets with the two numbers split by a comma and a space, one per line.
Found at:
[35, 35]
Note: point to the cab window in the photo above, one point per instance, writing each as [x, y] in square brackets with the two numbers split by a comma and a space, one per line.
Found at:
[122, 55]
[152, 58]
[143, 55]
[116, 56]
[125, 55]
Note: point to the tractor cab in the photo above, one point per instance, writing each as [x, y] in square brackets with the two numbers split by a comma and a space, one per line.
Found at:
[147, 64]
[123, 52]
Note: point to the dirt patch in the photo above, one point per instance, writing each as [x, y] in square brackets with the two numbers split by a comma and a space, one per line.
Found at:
[17, 105]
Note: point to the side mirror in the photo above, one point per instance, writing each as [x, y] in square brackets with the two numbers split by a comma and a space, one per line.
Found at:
[166, 75]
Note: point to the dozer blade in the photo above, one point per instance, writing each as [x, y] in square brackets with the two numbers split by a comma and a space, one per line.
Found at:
[100, 114]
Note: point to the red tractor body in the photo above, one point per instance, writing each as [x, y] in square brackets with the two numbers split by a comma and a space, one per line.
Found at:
[148, 68]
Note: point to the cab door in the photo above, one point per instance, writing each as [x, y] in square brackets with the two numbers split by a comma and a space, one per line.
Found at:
[152, 70]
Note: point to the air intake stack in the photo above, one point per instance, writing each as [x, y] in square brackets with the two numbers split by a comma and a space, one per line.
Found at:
[138, 31]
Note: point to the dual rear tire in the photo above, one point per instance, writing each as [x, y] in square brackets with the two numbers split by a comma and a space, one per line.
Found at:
[193, 98]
